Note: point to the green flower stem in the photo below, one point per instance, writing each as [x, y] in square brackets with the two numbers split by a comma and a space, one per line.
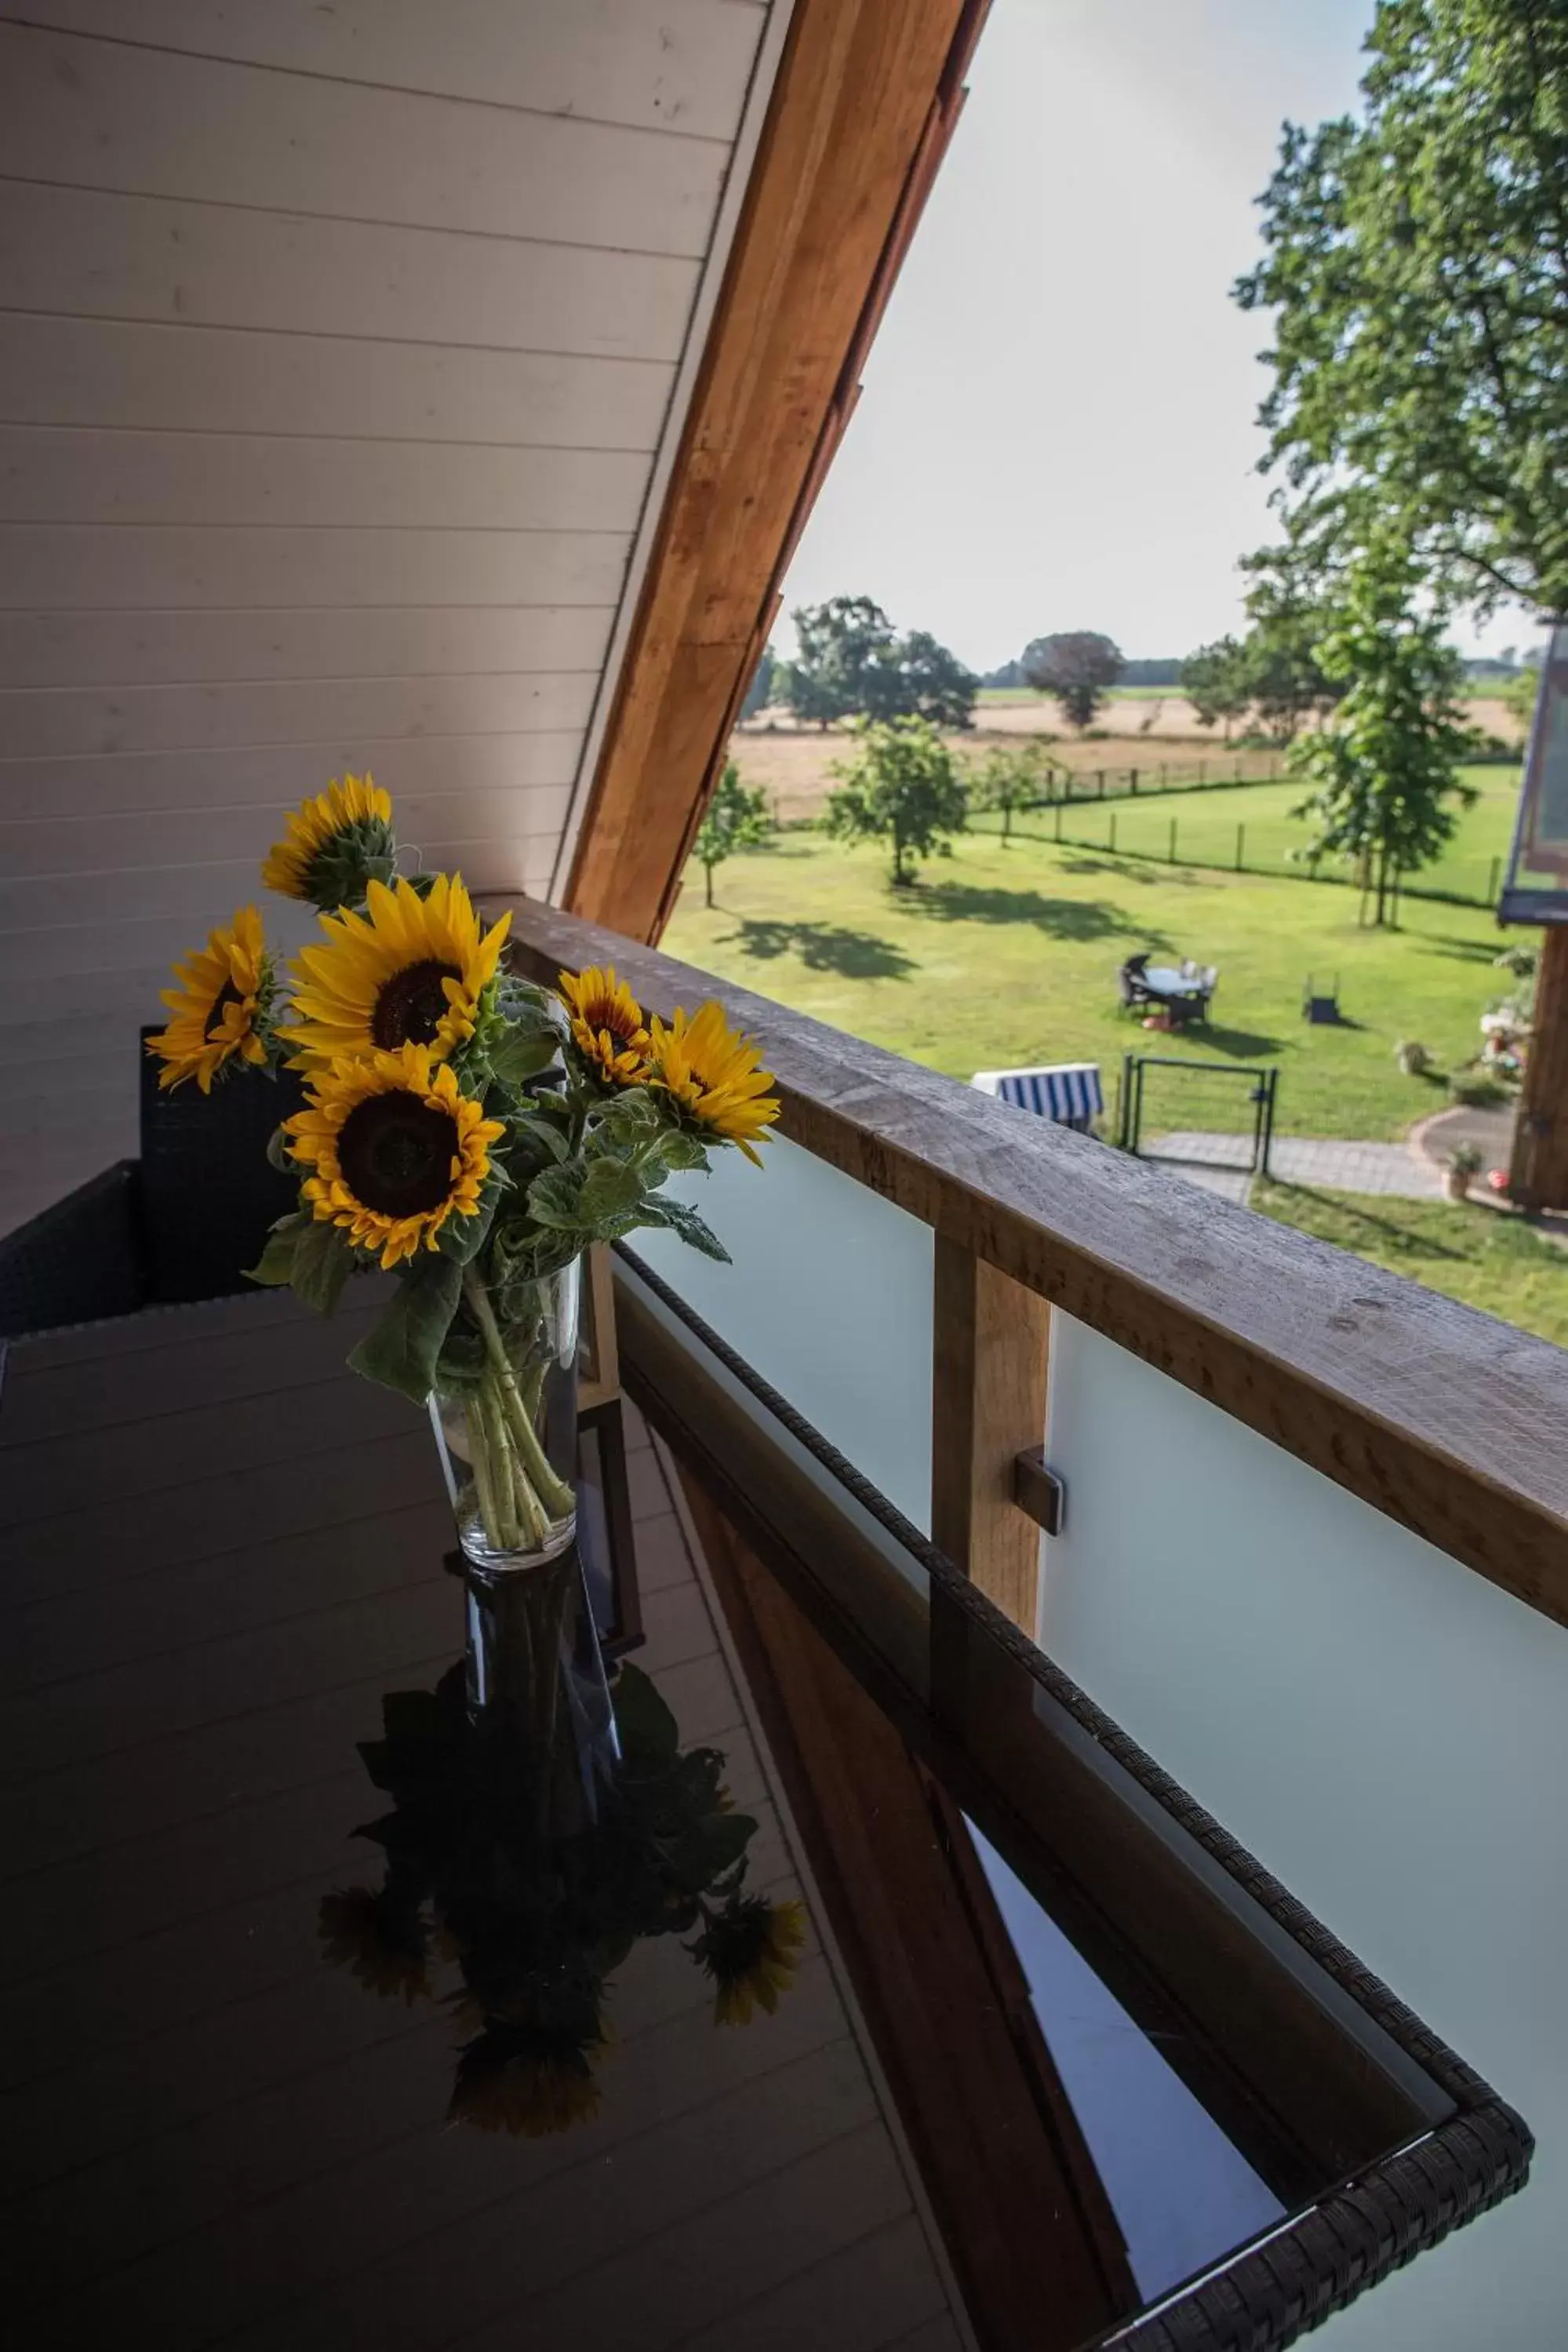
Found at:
[479, 1463]
[508, 1530]
[556, 1497]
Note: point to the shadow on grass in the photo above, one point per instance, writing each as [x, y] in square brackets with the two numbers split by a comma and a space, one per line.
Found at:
[1404, 1242]
[821, 947]
[1245, 1044]
[1058, 919]
[1444, 943]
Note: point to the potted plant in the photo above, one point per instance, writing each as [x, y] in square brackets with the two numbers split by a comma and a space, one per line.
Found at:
[1464, 1162]
[1413, 1058]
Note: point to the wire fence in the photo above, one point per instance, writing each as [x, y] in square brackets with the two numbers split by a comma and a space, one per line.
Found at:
[1230, 844]
[1210, 772]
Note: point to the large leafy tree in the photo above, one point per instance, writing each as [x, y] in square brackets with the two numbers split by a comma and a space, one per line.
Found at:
[1386, 788]
[1010, 777]
[902, 787]
[916, 678]
[1416, 263]
[1077, 666]
[852, 664]
[1214, 681]
[736, 818]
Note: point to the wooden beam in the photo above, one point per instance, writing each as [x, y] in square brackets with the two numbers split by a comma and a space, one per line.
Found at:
[1538, 1177]
[865, 98]
[1368, 1379]
[990, 1343]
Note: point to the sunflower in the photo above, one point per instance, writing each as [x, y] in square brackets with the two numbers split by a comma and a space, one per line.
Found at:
[528, 2079]
[408, 972]
[381, 1944]
[751, 1950]
[333, 845]
[397, 1148]
[713, 1075]
[219, 1008]
[607, 1025]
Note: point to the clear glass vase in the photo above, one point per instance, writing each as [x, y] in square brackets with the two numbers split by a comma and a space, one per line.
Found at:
[504, 1410]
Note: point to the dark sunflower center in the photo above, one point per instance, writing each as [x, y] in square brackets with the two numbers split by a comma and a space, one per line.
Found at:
[396, 1154]
[613, 1018]
[411, 1005]
[227, 994]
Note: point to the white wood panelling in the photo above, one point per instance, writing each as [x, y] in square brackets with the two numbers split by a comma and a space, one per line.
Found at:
[252, 775]
[178, 379]
[679, 66]
[46, 723]
[49, 476]
[102, 114]
[338, 348]
[104, 256]
[141, 650]
[75, 564]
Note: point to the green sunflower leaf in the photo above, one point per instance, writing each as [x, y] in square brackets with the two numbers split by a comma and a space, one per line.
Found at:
[314, 1260]
[611, 1189]
[401, 1350]
[555, 1197]
[692, 1229]
[523, 1054]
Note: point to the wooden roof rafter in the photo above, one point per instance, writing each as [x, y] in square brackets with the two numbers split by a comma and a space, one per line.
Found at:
[864, 103]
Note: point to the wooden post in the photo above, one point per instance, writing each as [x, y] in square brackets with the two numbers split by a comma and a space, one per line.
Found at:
[1538, 1177]
[1172, 859]
[1111, 842]
[991, 1340]
[1240, 844]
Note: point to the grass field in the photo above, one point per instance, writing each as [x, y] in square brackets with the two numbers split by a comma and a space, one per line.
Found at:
[1008, 955]
[1206, 828]
[1489, 1261]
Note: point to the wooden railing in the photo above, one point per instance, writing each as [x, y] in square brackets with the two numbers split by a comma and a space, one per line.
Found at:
[1450, 1423]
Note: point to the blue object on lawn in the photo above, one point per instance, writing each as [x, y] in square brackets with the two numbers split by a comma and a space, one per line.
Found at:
[1068, 1092]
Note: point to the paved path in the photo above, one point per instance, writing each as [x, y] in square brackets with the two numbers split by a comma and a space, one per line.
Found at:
[1218, 1162]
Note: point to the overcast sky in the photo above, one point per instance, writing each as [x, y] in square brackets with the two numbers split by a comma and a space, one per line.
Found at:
[1058, 428]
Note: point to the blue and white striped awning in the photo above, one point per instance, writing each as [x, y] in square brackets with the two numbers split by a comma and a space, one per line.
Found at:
[1068, 1092]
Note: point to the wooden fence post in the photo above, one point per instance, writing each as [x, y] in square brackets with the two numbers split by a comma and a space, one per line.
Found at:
[991, 1348]
[1172, 859]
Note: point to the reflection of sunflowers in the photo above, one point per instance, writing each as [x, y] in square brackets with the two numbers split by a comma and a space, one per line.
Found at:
[218, 1008]
[397, 1148]
[499, 1866]
[607, 1025]
[527, 2080]
[333, 844]
[751, 1950]
[408, 972]
[713, 1075]
[381, 1943]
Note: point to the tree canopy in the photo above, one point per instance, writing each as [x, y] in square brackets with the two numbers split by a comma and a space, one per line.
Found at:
[904, 787]
[1076, 667]
[1416, 262]
[736, 818]
[1387, 790]
[852, 664]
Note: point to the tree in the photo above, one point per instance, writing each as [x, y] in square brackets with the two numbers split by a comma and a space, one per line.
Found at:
[1215, 681]
[839, 643]
[736, 819]
[760, 693]
[1418, 264]
[1010, 777]
[1285, 679]
[1386, 772]
[915, 678]
[852, 665]
[903, 787]
[1077, 668]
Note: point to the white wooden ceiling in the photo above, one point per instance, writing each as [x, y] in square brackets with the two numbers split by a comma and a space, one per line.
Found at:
[340, 353]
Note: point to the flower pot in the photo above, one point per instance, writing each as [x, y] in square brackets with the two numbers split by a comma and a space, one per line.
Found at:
[1457, 1186]
[504, 1410]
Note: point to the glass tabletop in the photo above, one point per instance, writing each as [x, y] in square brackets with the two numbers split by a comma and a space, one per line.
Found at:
[389, 1966]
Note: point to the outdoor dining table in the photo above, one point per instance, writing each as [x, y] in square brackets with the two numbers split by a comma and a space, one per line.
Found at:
[220, 1552]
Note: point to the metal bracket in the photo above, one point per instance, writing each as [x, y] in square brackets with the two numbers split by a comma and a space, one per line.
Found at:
[1038, 1490]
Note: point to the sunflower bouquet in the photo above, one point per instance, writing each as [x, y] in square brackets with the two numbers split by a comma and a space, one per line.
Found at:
[463, 1129]
[517, 1927]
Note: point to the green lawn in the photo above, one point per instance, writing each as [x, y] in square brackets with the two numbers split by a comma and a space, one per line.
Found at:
[1009, 955]
[1489, 1261]
[1206, 826]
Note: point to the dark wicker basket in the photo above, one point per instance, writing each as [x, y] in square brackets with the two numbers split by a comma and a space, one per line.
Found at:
[207, 1191]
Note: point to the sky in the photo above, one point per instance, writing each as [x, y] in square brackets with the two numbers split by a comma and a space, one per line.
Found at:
[1058, 428]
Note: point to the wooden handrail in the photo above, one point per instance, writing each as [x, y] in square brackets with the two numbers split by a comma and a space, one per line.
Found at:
[1450, 1423]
